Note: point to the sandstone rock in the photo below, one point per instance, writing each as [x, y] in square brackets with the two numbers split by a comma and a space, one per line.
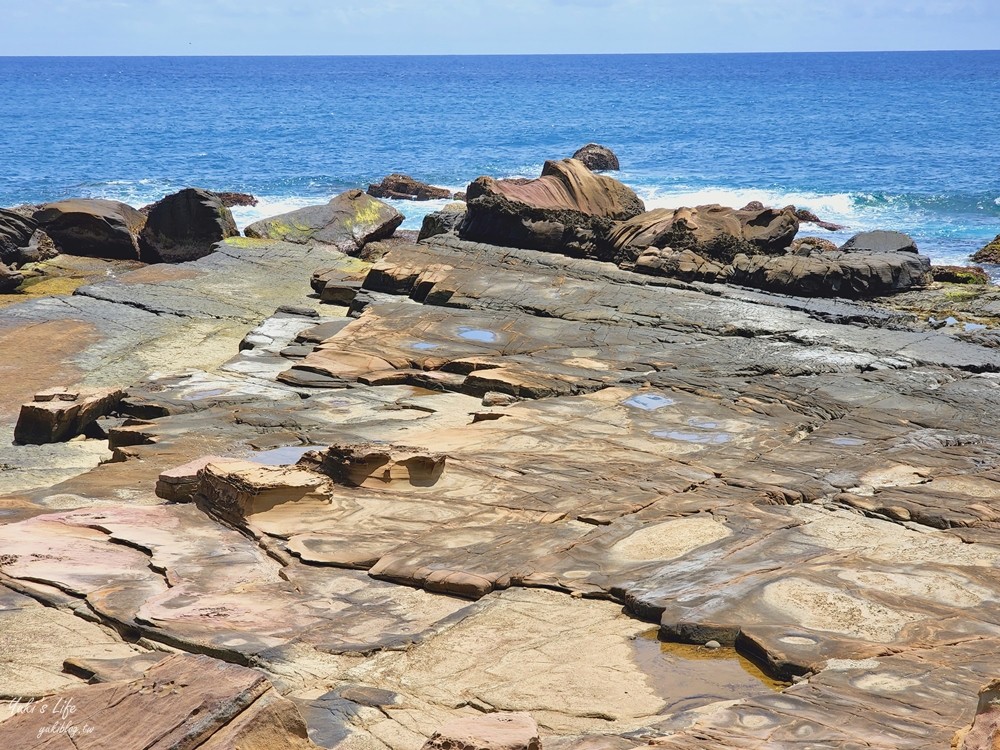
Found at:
[92, 227]
[380, 466]
[984, 734]
[507, 731]
[960, 274]
[714, 232]
[990, 253]
[180, 484]
[185, 226]
[597, 158]
[880, 241]
[565, 210]
[182, 701]
[59, 415]
[237, 490]
[404, 187]
[349, 222]
[448, 219]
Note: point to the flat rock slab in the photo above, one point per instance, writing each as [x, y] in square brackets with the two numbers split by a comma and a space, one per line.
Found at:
[182, 701]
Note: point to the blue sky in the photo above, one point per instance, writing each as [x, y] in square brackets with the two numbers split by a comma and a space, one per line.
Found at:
[338, 27]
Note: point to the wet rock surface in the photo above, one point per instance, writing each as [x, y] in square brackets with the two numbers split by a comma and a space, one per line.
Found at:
[486, 488]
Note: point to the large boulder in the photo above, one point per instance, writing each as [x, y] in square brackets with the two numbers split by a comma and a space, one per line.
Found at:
[93, 227]
[714, 232]
[569, 210]
[349, 221]
[185, 226]
[880, 241]
[838, 273]
[446, 220]
[404, 187]
[15, 233]
[597, 157]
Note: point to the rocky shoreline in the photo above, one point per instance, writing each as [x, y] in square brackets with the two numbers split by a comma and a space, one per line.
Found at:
[561, 472]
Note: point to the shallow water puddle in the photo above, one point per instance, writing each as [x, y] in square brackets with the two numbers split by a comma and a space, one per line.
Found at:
[649, 401]
[846, 442]
[703, 438]
[687, 676]
[970, 327]
[702, 423]
[477, 334]
[423, 346]
[284, 456]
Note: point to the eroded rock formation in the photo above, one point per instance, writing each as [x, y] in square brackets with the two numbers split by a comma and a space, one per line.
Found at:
[506, 482]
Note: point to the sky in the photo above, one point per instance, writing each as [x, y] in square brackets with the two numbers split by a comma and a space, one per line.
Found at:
[407, 27]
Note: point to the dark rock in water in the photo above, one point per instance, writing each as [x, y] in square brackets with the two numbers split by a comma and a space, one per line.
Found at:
[237, 199]
[9, 280]
[15, 233]
[880, 241]
[566, 210]
[185, 226]
[990, 253]
[714, 232]
[807, 245]
[446, 220]
[460, 196]
[92, 227]
[960, 274]
[855, 274]
[597, 158]
[805, 215]
[404, 187]
[348, 222]
[753, 206]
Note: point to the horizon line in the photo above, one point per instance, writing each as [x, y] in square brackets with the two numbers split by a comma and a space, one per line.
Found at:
[504, 54]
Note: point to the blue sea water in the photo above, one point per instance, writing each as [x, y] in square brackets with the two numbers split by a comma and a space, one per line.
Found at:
[905, 141]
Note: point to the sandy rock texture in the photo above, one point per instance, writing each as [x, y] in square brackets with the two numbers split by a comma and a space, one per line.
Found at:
[503, 498]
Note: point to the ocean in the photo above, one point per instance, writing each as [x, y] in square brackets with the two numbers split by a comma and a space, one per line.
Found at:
[902, 141]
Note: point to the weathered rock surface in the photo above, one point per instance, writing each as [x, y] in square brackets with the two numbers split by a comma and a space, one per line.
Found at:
[9, 279]
[182, 701]
[565, 210]
[989, 253]
[60, 414]
[348, 222]
[448, 219]
[185, 226]
[811, 483]
[715, 232]
[404, 187]
[15, 233]
[879, 242]
[512, 731]
[827, 273]
[93, 227]
[597, 157]
[984, 733]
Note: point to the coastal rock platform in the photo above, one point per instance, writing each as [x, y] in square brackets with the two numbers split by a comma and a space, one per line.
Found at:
[640, 509]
